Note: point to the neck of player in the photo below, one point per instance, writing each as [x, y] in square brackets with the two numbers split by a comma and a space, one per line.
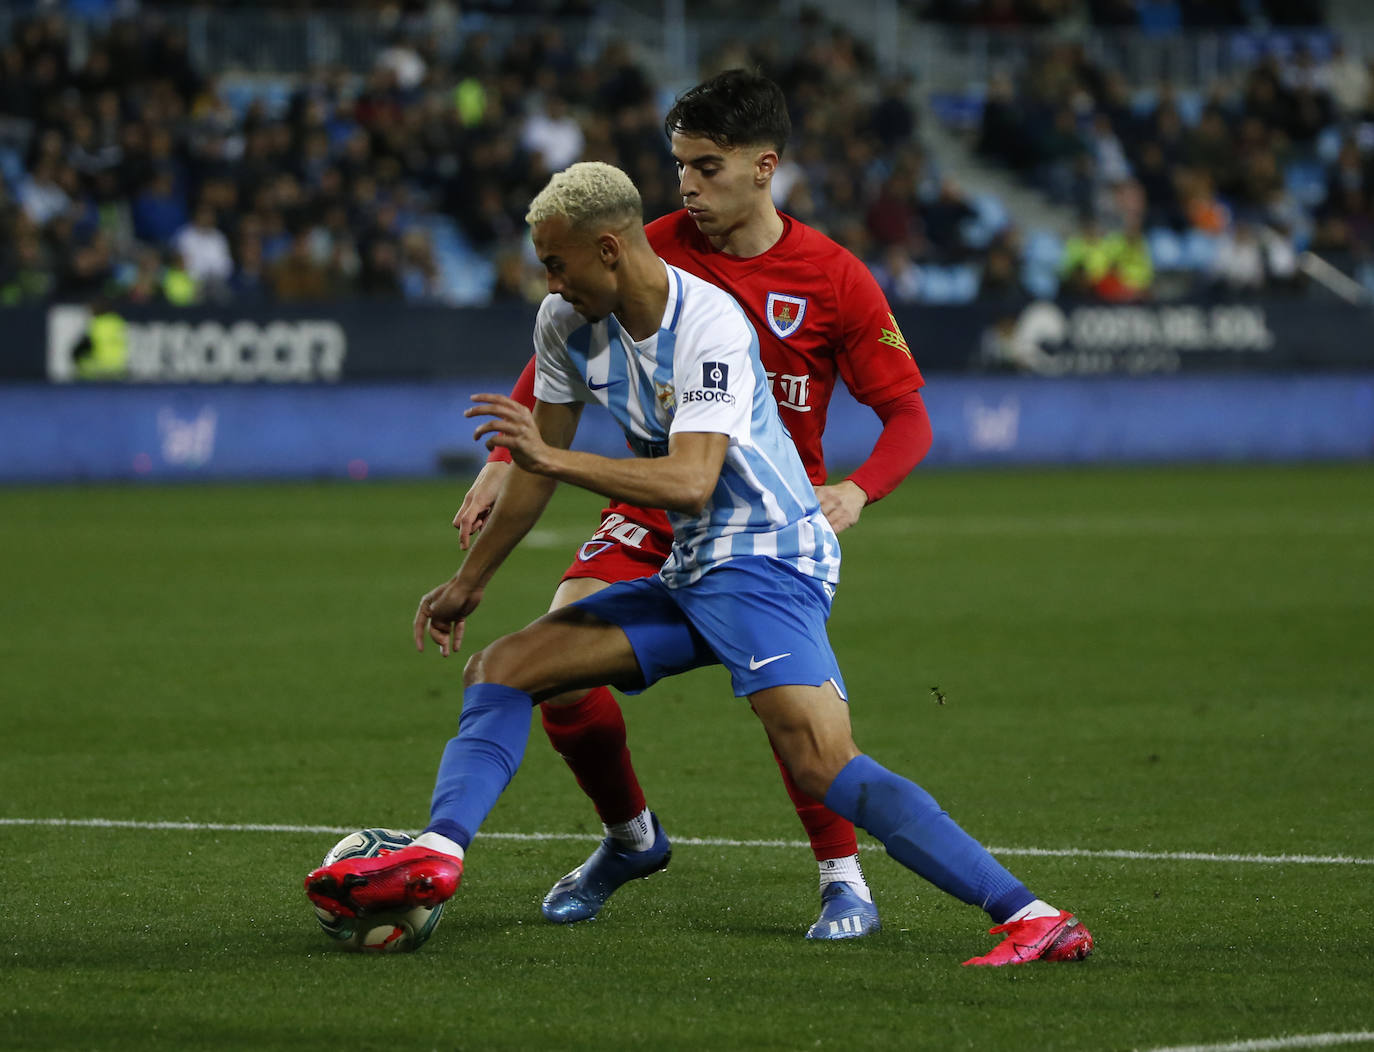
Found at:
[759, 232]
[643, 293]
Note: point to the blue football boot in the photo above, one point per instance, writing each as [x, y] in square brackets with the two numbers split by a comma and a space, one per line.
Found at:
[580, 895]
[844, 914]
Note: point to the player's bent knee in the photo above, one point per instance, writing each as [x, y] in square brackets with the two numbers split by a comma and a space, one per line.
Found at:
[494, 663]
[472, 671]
[812, 774]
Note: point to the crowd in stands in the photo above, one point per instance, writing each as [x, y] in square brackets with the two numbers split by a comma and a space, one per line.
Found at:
[129, 175]
[1247, 175]
[1160, 16]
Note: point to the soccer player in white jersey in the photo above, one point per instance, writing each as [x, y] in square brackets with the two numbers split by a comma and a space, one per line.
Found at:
[748, 583]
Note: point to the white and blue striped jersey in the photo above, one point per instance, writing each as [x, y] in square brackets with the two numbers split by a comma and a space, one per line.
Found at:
[699, 373]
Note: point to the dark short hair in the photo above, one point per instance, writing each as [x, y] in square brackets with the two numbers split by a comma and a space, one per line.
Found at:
[734, 108]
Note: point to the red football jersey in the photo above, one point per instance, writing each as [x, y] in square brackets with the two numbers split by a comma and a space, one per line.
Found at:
[818, 312]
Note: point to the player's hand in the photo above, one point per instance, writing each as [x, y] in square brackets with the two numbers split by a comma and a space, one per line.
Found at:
[842, 504]
[478, 502]
[444, 611]
[513, 427]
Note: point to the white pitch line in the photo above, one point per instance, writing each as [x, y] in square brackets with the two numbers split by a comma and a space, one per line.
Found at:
[1187, 856]
[1266, 1044]
[1051, 852]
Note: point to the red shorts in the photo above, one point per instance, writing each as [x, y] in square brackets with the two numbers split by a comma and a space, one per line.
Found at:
[631, 542]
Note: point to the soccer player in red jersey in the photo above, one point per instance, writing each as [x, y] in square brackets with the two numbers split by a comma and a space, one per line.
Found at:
[819, 315]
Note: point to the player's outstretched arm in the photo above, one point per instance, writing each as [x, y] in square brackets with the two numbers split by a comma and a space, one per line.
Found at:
[903, 443]
[443, 610]
[480, 498]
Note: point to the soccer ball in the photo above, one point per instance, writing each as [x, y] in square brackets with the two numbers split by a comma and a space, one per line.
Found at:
[388, 931]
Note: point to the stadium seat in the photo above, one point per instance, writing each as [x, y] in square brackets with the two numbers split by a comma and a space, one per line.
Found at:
[942, 285]
[242, 91]
[961, 111]
[1044, 247]
[1040, 281]
[991, 220]
[1199, 250]
[11, 167]
[1306, 181]
[1365, 275]
[1190, 105]
[964, 281]
[467, 277]
[1329, 142]
[1166, 248]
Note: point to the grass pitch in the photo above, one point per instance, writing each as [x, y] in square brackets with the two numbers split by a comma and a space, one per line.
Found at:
[1143, 665]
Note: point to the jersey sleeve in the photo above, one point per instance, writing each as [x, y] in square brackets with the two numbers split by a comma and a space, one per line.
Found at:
[905, 440]
[556, 380]
[713, 373]
[873, 358]
[523, 391]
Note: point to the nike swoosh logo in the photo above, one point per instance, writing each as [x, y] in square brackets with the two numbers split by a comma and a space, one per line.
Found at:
[754, 666]
[601, 387]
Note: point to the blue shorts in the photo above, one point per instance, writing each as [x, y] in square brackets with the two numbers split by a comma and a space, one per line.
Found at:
[756, 616]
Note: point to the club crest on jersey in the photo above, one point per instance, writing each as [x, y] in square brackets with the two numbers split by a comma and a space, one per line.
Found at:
[785, 313]
[667, 397]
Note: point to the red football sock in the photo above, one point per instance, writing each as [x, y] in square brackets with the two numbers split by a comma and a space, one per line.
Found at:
[590, 736]
[831, 836]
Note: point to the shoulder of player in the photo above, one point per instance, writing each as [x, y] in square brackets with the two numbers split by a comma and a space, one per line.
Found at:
[838, 285]
[557, 318]
[827, 259]
[668, 230]
[707, 308]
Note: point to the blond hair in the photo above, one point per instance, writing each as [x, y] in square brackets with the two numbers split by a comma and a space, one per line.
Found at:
[588, 192]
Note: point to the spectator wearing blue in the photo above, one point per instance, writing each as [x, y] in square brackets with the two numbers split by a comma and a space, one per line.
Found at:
[159, 211]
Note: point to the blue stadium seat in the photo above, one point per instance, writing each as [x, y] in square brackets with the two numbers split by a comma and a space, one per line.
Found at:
[11, 168]
[949, 284]
[959, 110]
[1329, 142]
[1040, 281]
[933, 286]
[1044, 247]
[1365, 275]
[1040, 263]
[991, 220]
[1166, 248]
[1199, 250]
[1190, 105]
[964, 282]
[240, 92]
[1306, 181]
[467, 278]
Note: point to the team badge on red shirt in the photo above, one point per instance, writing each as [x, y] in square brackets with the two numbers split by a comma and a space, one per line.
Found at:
[785, 313]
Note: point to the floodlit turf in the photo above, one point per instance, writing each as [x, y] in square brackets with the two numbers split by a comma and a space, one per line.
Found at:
[1153, 661]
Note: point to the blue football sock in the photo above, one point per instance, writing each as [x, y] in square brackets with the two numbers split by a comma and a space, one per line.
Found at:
[922, 837]
[479, 763]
